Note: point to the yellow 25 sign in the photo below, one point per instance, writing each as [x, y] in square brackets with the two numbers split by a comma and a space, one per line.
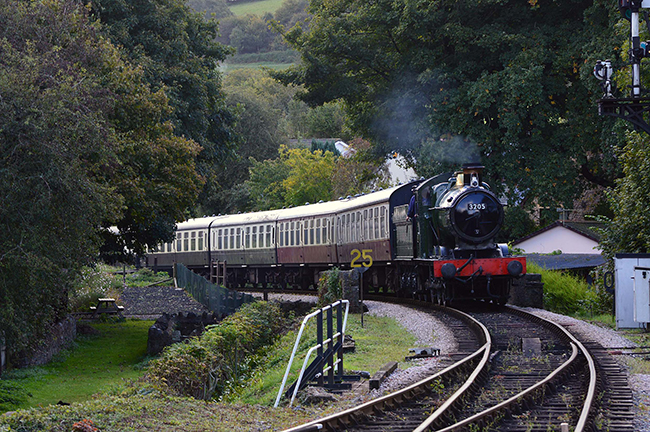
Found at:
[361, 254]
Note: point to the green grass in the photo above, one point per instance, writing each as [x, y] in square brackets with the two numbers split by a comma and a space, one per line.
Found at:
[96, 364]
[256, 7]
[138, 407]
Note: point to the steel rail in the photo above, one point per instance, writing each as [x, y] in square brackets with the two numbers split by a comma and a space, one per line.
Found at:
[514, 399]
[588, 404]
[332, 422]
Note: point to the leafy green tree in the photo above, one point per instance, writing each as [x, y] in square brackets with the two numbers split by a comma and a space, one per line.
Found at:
[325, 121]
[260, 104]
[628, 231]
[251, 35]
[360, 173]
[296, 177]
[265, 185]
[511, 79]
[310, 176]
[292, 12]
[82, 145]
[177, 50]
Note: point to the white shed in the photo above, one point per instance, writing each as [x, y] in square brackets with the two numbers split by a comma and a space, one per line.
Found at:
[632, 295]
[568, 237]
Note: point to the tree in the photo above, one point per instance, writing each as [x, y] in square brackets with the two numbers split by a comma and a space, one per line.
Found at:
[82, 146]
[362, 172]
[260, 104]
[512, 80]
[251, 35]
[177, 50]
[628, 231]
[310, 176]
[296, 177]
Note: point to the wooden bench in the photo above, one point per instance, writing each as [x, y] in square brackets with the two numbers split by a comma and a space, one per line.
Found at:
[106, 306]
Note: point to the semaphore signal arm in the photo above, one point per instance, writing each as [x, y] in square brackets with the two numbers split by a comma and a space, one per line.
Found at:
[634, 108]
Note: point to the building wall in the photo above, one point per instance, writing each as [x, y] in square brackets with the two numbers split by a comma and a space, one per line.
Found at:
[559, 238]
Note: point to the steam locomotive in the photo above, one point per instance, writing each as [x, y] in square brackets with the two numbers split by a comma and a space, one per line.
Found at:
[433, 238]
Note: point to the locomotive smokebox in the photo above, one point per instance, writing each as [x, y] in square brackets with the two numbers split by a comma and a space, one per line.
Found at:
[467, 215]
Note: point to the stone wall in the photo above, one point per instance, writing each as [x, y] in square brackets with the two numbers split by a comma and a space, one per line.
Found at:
[169, 329]
[60, 336]
[528, 291]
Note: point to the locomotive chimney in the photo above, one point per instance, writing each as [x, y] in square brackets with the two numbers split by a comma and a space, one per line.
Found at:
[473, 174]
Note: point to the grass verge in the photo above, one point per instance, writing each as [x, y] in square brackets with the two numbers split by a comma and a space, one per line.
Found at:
[139, 407]
[96, 364]
[380, 340]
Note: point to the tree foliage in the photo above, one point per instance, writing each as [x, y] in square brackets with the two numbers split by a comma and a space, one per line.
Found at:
[509, 81]
[83, 144]
[628, 231]
[177, 50]
[300, 176]
[297, 177]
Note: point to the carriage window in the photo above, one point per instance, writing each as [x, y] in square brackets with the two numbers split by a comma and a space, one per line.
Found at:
[305, 236]
[232, 238]
[186, 242]
[281, 230]
[239, 232]
[254, 238]
[269, 240]
[328, 235]
[193, 241]
[261, 236]
[286, 233]
[359, 227]
[200, 240]
[220, 240]
[365, 224]
[311, 232]
[293, 234]
[318, 241]
[247, 237]
[376, 222]
[384, 223]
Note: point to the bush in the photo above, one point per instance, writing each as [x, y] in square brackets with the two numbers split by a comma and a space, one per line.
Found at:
[223, 357]
[145, 277]
[329, 287]
[92, 284]
[568, 294]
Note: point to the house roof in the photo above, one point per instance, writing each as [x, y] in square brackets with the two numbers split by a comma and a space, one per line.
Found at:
[586, 229]
[566, 261]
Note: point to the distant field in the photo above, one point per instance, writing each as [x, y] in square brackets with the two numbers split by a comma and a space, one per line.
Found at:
[275, 66]
[255, 7]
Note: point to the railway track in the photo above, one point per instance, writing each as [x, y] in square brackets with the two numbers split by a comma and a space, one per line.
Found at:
[513, 371]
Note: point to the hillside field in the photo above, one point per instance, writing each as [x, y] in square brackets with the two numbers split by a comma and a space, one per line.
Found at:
[255, 7]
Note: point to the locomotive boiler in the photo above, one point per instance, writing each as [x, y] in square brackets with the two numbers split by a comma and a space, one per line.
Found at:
[432, 238]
